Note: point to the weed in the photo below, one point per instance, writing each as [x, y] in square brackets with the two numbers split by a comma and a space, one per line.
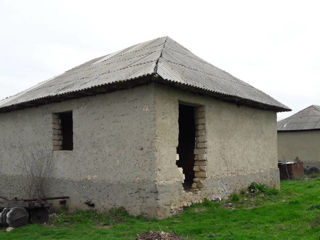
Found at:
[291, 214]
[207, 203]
[243, 191]
[234, 197]
[258, 188]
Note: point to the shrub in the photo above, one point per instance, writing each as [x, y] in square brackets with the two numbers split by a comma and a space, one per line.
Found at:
[257, 188]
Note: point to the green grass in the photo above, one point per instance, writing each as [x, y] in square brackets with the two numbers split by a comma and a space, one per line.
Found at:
[261, 213]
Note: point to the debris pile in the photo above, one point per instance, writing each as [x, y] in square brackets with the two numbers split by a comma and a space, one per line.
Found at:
[18, 212]
[14, 217]
[158, 236]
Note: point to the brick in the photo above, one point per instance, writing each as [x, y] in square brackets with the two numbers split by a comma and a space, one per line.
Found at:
[57, 142]
[200, 133]
[200, 126]
[200, 121]
[200, 157]
[200, 109]
[200, 184]
[200, 151]
[200, 115]
[194, 185]
[55, 148]
[57, 137]
[200, 174]
[56, 127]
[196, 168]
[203, 168]
[200, 163]
[197, 180]
[201, 145]
[56, 119]
[201, 139]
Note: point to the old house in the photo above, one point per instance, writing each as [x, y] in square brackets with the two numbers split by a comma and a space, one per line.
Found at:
[151, 128]
[299, 137]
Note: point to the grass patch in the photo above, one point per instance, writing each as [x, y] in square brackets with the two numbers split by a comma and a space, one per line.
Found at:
[256, 213]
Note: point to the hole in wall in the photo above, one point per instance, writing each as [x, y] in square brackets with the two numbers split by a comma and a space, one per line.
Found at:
[186, 145]
[63, 131]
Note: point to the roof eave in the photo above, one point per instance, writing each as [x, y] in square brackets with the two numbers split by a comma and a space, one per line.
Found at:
[300, 130]
[221, 96]
[129, 83]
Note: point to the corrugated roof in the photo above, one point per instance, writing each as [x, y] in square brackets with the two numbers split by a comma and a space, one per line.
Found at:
[159, 57]
[306, 119]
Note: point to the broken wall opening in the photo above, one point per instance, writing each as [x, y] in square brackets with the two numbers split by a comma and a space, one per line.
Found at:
[191, 148]
[63, 131]
[186, 143]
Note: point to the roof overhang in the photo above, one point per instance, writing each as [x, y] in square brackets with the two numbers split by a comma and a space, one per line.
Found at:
[130, 83]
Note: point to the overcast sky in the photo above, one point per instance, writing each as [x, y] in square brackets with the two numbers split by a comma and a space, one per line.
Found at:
[272, 45]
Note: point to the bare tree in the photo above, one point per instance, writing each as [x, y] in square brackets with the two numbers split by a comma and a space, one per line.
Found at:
[36, 168]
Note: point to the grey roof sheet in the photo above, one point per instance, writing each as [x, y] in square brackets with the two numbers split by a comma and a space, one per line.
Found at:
[306, 119]
[161, 57]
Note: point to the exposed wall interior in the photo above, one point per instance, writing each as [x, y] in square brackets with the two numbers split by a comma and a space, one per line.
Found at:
[186, 144]
[62, 130]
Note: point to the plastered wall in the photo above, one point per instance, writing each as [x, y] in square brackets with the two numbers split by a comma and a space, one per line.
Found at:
[241, 148]
[112, 163]
[125, 150]
[302, 144]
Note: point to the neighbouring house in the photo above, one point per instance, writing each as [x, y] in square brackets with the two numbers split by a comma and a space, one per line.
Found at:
[151, 128]
[299, 137]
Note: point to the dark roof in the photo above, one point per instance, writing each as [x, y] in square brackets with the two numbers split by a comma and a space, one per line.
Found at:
[163, 58]
[306, 119]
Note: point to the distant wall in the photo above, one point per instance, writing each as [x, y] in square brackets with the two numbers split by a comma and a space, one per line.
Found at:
[113, 161]
[241, 148]
[302, 144]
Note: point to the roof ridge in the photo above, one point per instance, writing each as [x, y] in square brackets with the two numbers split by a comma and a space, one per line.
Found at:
[160, 56]
[206, 73]
[134, 51]
[306, 119]
[317, 107]
[301, 111]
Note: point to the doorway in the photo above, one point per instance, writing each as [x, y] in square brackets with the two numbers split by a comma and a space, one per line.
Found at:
[186, 143]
